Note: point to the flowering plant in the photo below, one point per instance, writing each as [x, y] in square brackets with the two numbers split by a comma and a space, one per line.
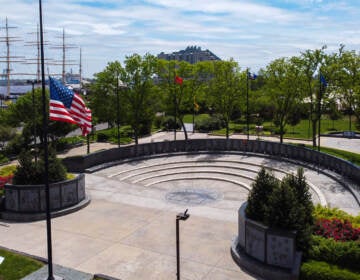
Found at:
[5, 179]
[336, 229]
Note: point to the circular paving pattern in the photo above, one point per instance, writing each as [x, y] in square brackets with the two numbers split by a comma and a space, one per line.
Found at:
[216, 183]
[193, 196]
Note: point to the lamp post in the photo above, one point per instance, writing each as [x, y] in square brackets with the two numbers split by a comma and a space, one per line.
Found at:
[179, 217]
[117, 110]
[350, 109]
[33, 82]
[247, 104]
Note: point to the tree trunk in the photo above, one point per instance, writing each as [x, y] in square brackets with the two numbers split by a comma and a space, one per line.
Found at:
[314, 132]
[227, 130]
[183, 126]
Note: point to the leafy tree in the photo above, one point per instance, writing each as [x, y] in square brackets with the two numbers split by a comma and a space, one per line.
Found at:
[225, 89]
[27, 114]
[347, 79]
[6, 134]
[333, 112]
[282, 78]
[310, 63]
[140, 92]
[104, 94]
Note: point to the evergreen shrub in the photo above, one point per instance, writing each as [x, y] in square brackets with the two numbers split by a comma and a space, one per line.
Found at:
[344, 254]
[315, 270]
[286, 205]
[29, 172]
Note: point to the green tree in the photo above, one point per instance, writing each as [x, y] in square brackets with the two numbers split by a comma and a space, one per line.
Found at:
[140, 94]
[311, 61]
[27, 114]
[282, 78]
[104, 94]
[225, 89]
[347, 80]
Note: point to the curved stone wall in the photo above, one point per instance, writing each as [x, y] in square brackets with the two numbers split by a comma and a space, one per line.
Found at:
[272, 251]
[286, 151]
[27, 202]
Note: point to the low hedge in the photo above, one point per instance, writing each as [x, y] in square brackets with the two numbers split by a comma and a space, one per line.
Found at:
[344, 254]
[316, 270]
[321, 212]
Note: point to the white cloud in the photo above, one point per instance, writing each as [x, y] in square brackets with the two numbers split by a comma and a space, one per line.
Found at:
[249, 31]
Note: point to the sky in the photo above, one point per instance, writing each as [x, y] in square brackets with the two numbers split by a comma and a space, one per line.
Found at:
[253, 33]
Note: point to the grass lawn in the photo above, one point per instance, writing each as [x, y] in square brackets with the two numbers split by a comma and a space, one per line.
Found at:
[16, 266]
[198, 117]
[349, 156]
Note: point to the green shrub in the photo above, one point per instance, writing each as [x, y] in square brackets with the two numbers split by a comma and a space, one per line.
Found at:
[15, 145]
[315, 270]
[3, 158]
[29, 172]
[321, 212]
[262, 187]
[304, 221]
[102, 137]
[215, 122]
[281, 210]
[7, 170]
[168, 123]
[286, 205]
[345, 254]
[67, 142]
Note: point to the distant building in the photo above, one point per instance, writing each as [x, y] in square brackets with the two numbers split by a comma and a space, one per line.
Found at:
[191, 54]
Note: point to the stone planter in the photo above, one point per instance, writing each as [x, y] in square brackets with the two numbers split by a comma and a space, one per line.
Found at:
[270, 253]
[27, 202]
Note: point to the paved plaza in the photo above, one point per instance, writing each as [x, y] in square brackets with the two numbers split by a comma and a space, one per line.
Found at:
[128, 230]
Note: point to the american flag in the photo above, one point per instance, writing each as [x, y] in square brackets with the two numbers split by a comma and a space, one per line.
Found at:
[67, 106]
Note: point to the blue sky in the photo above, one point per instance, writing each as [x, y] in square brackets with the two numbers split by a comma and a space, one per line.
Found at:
[252, 32]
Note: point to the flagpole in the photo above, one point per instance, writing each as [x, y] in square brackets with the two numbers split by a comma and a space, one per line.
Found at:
[175, 104]
[319, 109]
[46, 156]
[193, 119]
[247, 103]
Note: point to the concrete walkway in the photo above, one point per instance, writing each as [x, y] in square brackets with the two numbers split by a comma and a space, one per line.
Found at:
[128, 230]
[352, 145]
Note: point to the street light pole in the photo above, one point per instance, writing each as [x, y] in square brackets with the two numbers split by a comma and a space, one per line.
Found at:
[247, 104]
[350, 110]
[179, 217]
[34, 117]
[118, 110]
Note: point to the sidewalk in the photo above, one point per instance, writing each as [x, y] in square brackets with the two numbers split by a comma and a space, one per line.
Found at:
[352, 145]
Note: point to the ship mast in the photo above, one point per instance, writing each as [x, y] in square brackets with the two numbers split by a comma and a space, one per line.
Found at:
[8, 40]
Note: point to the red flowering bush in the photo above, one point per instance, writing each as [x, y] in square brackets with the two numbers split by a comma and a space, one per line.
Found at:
[5, 179]
[336, 229]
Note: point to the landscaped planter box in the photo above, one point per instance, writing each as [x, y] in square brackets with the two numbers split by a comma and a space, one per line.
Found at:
[266, 251]
[27, 202]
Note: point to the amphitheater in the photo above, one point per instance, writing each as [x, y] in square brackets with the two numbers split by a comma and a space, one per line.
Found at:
[128, 230]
